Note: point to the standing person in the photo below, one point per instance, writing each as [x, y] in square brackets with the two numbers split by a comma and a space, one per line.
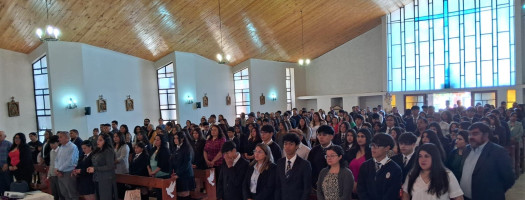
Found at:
[47, 148]
[159, 163]
[455, 159]
[138, 165]
[487, 170]
[429, 179]
[19, 160]
[198, 144]
[212, 149]
[229, 183]
[103, 169]
[5, 145]
[259, 181]
[181, 157]
[253, 139]
[84, 179]
[294, 179]
[34, 144]
[73, 133]
[335, 181]
[379, 177]
[51, 172]
[122, 159]
[316, 157]
[94, 137]
[267, 131]
[65, 162]
[406, 159]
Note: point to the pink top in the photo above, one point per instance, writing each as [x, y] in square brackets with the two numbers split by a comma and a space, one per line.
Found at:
[15, 157]
[355, 165]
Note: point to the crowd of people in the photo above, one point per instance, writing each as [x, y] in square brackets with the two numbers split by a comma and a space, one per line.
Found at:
[455, 153]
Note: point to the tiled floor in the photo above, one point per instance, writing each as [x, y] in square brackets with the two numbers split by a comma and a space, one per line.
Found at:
[517, 192]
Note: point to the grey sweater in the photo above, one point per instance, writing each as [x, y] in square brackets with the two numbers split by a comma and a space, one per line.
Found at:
[345, 178]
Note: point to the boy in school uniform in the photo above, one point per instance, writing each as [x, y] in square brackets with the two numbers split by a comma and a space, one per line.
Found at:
[379, 177]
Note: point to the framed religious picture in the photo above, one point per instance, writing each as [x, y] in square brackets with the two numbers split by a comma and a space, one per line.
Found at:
[205, 100]
[13, 108]
[101, 104]
[129, 104]
[228, 100]
[262, 99]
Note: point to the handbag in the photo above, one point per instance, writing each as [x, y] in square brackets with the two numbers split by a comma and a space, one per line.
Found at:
[132, 195]
[19, 186]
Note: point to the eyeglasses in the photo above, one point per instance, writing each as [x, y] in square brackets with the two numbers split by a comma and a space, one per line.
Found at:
[330, 156]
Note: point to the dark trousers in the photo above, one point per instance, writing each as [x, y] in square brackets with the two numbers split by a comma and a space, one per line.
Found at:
[55, 189]
[5, 181]
[106, 189]
[68, 186]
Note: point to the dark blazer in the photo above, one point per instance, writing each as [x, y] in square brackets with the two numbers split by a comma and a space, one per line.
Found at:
[237, 142]
[104, 164]
[298, 184]
[25, 167]
[265, 184]
[198, 149]
[410, 125]
[493, 174]
[163, 161]
[318, 162]
[399, 161]
[229, 185]
[338, 140]
[181, 161]
[139, 166]
[277, 153]
[84, 179]
[78, 142]
[384, 184]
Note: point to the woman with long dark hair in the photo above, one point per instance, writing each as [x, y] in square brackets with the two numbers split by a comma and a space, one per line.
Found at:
[122, 153]
[85, 186]
[253, 140]
[212, 148]
[429, 179]
[283, 130]
[304, 125]
[349, 144]
[499, 132]
[159, 165]
[360, 154]
[198, 143]
[180, 162]
[259, 181]
[336, 180]
[47, 149]
[103, 168]
[455, 158]
[141, 137]
[444, 141]
[19, 159]
[429, 136]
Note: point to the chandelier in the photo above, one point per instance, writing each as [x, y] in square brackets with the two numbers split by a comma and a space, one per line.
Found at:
[51, 33]
[303, 61]
[221, 58]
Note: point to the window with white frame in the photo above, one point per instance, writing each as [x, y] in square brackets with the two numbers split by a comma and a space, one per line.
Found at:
[441, 44]
[242, 91]
[290, 88]
[42, 101]
[167, 98]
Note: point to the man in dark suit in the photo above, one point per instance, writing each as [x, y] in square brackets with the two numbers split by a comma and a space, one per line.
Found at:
[293, 179]
[232, 173]
[407, 144]
[379, 177]
[267, 132]
[487, 170]
[325, 134]
[411, 122]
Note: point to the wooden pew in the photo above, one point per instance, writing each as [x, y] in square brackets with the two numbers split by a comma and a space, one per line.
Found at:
[163, 184]
[204, 177]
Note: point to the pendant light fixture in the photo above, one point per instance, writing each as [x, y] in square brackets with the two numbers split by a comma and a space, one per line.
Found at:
[303, 61]
[51, 33]
[222, 58]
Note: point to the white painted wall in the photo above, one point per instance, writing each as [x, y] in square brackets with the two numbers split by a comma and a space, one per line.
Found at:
[16, 80]
[196, 76]
[357, 66]
[115, 76]
[268, 77]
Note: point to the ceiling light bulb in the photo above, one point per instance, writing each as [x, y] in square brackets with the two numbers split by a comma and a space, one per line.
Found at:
[228, 57]
[39, 33]
[56, 32]
[50, 30]
[219, 57]
[301, 61]
[307, 62]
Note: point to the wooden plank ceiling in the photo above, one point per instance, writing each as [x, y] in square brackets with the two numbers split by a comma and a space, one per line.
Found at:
[151, 29]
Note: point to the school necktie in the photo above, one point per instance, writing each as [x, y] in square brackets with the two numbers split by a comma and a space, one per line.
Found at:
[405, 160]
[378, 166]
[288, 168]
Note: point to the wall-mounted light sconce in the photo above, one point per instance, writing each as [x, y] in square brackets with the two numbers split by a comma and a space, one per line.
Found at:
[72, 104]
[189, 100]
[273, 97]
